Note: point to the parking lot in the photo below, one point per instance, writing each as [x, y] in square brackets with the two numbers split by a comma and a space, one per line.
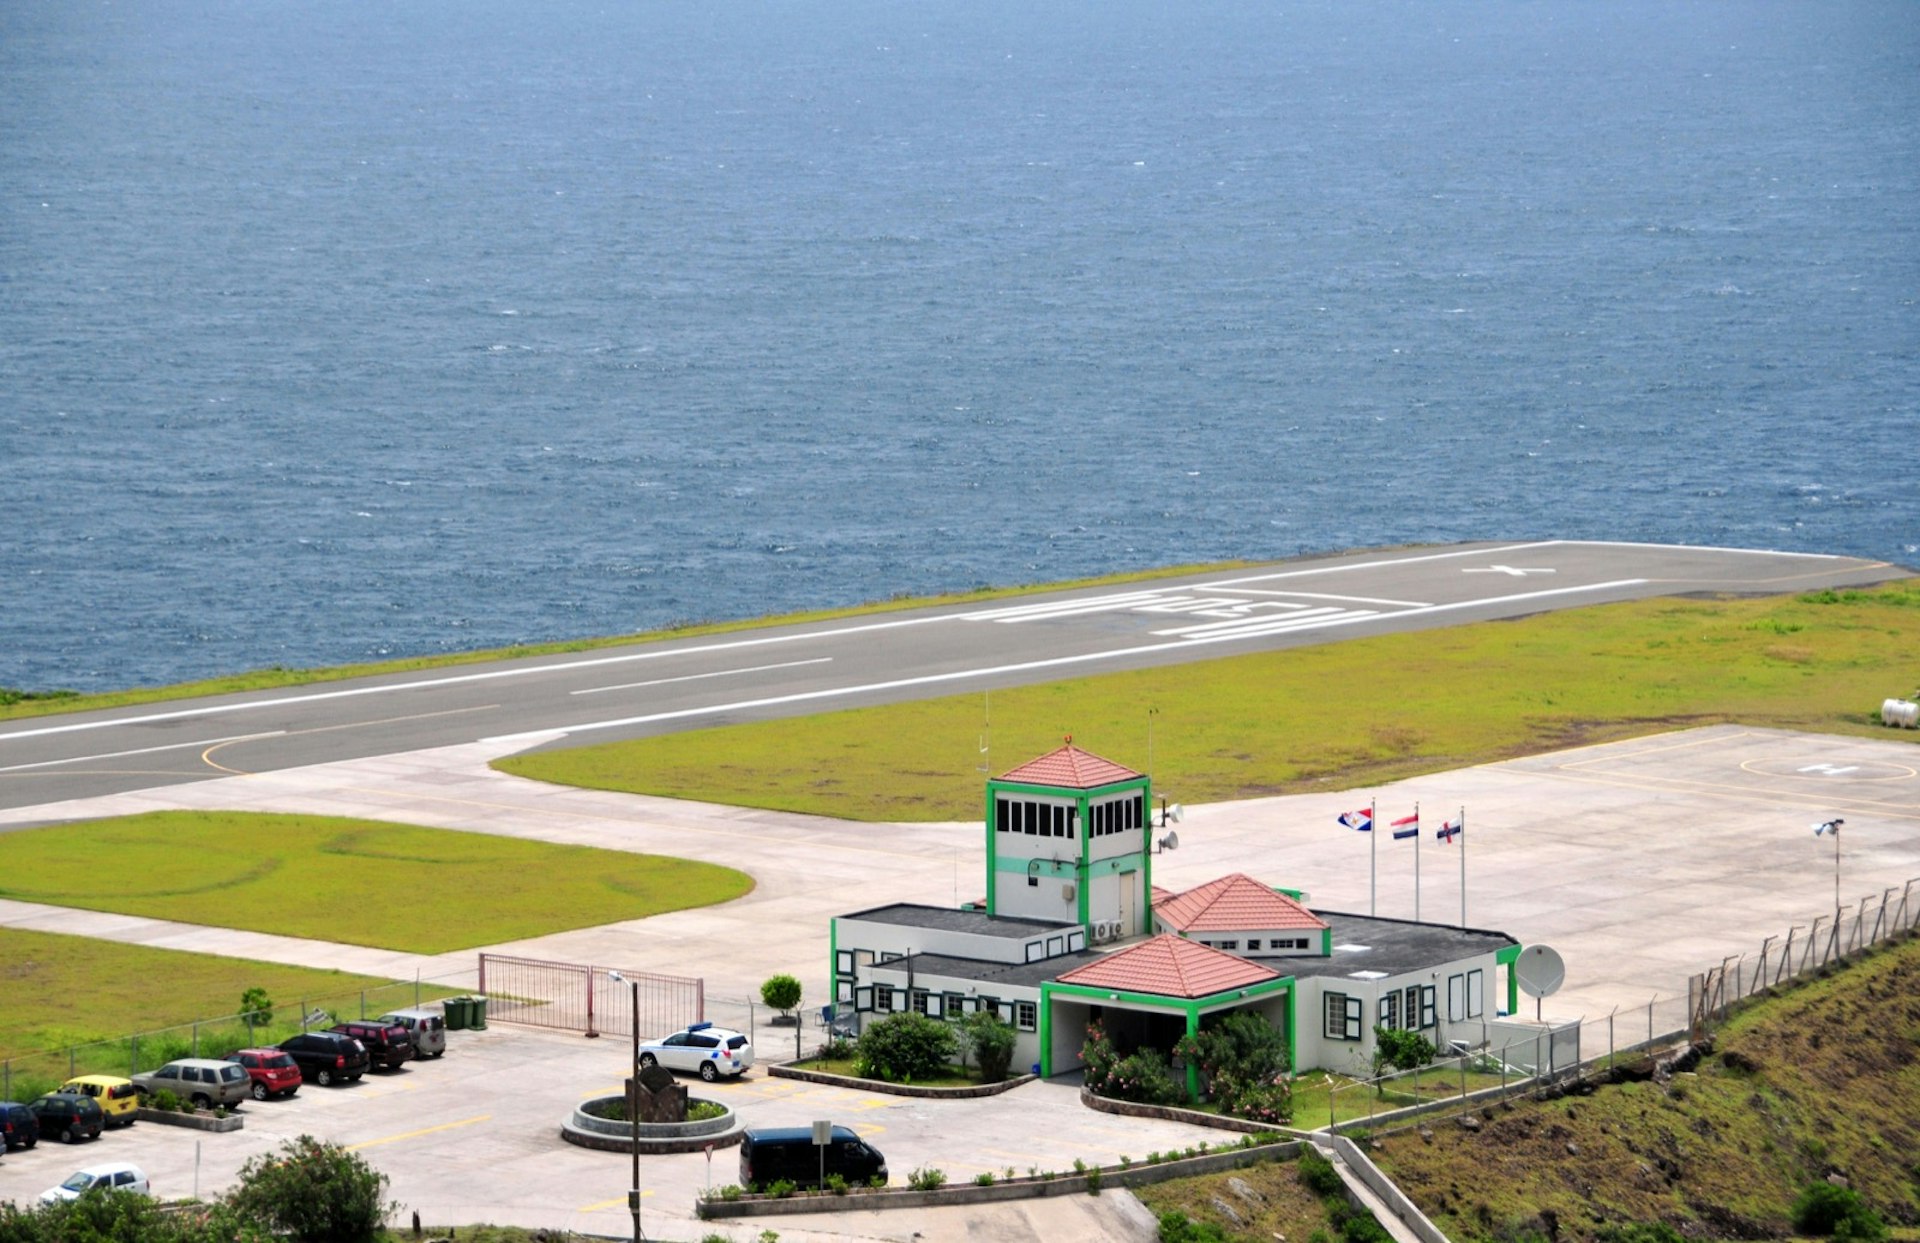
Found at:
[1642, 862]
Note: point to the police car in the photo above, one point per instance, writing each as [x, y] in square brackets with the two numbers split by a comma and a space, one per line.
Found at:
[701, 1049]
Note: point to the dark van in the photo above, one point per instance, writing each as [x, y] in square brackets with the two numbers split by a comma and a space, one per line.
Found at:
[773, 1154]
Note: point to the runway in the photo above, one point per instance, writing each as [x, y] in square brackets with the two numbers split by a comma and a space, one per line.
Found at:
[783, 670]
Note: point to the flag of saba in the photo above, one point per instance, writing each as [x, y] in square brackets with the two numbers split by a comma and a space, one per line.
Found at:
[1359, 821]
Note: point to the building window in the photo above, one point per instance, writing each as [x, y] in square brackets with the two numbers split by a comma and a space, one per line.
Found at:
[883, 998]
[1456, 998]
[917, 1000]
[1411, 1010]
[1342, 1017]
[953, 1008]
[1026, 1015]
[1253, 943]
[1390, 1009]
[1475, 1000]
[1429, 1007]
[1230, 945]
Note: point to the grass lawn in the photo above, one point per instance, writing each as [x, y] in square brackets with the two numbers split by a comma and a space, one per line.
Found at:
[32, 702]
[361, 882]
[1284, 1209]
[63, 991]
[1334, 716]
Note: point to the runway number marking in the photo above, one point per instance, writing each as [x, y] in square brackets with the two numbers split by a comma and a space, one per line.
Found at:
[1511, 571]
[1831, 770]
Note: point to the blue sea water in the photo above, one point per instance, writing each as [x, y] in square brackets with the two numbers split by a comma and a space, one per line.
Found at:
[341, 330]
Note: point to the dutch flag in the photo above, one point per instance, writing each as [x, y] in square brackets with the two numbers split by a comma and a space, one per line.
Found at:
[1406, 826]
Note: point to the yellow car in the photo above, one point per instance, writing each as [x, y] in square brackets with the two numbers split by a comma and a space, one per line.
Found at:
[118, 1097]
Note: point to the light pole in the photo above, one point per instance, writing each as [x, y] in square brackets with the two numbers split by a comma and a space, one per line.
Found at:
[1833, 826]
[633, 1102]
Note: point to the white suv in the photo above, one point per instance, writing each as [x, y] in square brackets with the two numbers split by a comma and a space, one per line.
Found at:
[701, 1049]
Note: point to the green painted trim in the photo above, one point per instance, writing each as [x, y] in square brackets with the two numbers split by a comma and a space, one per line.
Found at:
[1193, 1072]
[1326, 943]
[1506, 958]
[1046, 1035]
[1047, 867]
[1051, 988]
[1292, 1025]
[993, 853]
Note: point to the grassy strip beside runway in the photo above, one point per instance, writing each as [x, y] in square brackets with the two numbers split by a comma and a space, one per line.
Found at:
[358, 882]
[65, 991]
[1333, 716]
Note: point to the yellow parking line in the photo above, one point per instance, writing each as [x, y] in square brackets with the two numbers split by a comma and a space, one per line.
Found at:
[444, 1126]
[620, 1202]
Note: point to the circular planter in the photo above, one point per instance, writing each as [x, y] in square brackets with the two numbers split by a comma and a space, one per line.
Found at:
[590, 1131]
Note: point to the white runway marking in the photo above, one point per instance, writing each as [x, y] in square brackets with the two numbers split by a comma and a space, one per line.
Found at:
[698, 677]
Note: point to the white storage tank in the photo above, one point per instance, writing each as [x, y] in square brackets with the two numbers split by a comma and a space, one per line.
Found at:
[1903, 713]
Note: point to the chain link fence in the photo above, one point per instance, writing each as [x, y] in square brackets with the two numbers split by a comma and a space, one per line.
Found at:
[27, 1075]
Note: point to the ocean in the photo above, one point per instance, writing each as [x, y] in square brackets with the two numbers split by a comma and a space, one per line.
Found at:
[345, 330]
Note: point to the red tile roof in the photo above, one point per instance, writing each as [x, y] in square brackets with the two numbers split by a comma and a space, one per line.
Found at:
[1236, 903]
[1160, 895]
[1072, 768]
[1170, 967]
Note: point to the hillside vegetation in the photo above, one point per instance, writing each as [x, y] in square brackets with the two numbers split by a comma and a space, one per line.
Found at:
[1823, 1080]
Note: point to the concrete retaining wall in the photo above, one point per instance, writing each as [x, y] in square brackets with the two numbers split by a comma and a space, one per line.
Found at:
[899, 1089]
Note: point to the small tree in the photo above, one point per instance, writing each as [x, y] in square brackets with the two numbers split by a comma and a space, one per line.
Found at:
[1245, 1060]
[1401, 1050]
[256, 1007]
[990, 1041]
[782, 992]
[313, 1192]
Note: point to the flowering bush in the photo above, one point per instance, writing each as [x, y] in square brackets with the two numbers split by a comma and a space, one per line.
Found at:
[1142, 1075]
[1244, 1059]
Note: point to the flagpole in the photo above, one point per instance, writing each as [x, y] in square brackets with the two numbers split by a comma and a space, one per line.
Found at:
[1373, 857]
[1416, 861]
[1463, 865]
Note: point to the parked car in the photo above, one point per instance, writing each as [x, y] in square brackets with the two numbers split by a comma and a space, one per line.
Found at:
[770, 1154]
[327, 1057]
[200, 1080]
[427, 1029]
[271, 1072]
[701, 1049]
[19, 1126]
[119, 1099]
[387, 1043]
[70, 1115]
[116, 1176]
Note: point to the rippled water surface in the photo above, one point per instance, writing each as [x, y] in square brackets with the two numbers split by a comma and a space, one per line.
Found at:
[342, 330]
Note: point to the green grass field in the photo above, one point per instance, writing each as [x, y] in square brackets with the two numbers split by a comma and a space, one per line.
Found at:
[361, 882]
[66, 991]
[1330, 717]
[33, 702]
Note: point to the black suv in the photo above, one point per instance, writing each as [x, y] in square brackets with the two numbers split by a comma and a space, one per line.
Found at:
[326, 1057]
[69, 1115]
[388, 1044]
[19, 1126]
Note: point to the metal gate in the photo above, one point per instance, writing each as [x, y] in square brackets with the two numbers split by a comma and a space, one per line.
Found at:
[582, 997]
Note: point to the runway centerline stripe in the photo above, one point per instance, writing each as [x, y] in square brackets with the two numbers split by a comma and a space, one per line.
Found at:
[114, 755]
[1056, 662]
[697, 677]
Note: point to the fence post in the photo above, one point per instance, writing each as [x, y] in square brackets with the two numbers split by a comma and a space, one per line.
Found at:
[303, 1014]
[416, 988]
[196, 1038]
[363, 1003]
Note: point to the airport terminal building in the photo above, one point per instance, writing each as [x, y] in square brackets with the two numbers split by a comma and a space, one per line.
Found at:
[1072, 930]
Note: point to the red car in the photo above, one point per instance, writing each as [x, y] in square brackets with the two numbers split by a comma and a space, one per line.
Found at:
[274, 1073]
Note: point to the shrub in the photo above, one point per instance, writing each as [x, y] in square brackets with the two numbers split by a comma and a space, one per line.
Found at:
[904, 1047]
[781, 1188]
[167, 1100]
[839, 1049]
[1141, 1076]
[837, 1184]
[697, 1111]
[123, 1217]
[1093, 1181]
[1317, 1174]
[1823, 1208]
[990, 1041]
[1177, 1227]
[782, 992]
[983, 1179]
[927, 1179]
[313, 1192]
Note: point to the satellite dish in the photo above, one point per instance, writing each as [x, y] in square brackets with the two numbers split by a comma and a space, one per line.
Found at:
[1539, 971]
[1175, 814]
[1170, 842]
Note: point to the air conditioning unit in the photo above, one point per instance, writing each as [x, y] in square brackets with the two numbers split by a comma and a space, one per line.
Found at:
[1102, 931]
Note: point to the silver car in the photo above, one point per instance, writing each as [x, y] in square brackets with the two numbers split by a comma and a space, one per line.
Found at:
[200, 1080]
[427, 1027]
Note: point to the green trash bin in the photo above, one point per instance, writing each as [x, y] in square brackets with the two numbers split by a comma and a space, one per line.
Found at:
[477, 1013]
[457, 1013]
